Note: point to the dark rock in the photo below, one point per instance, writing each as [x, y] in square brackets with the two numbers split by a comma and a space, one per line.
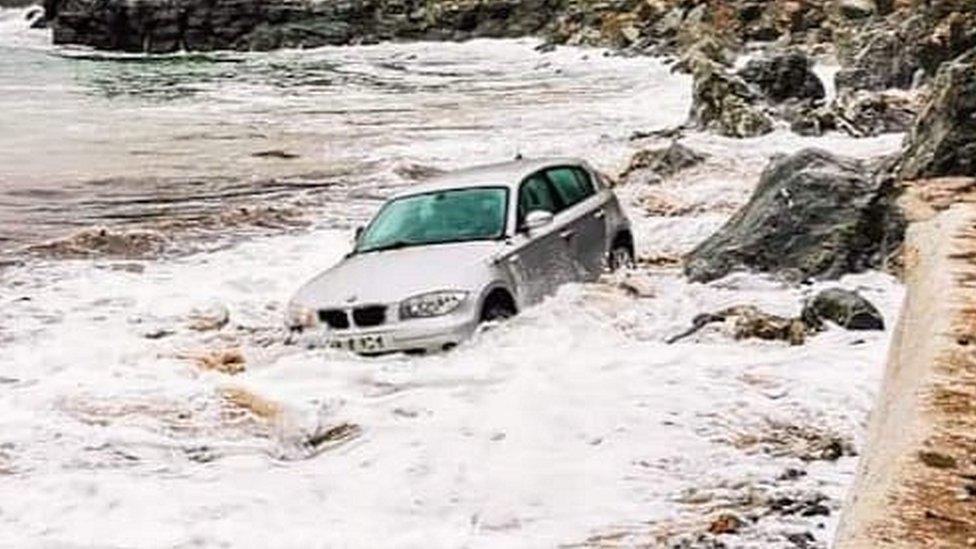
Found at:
[791, 473]
[723, 103]
[902, 52]
[856, 9]
[805, 505]
[162, 26]
[783, 76]
[658, 164]
[937, 460]
[812, 215]
[845, 308]
[802, 540]
[275, 153]
[811, 121]
[943, 140]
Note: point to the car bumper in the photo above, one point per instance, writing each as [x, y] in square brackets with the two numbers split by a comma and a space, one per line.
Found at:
[419, 335]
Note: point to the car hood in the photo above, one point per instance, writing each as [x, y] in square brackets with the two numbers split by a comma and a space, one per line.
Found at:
[393, 275]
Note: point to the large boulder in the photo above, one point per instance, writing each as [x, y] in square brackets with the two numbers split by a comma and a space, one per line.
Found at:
[813, 214]
[943, 140]
[783, 77]
[724, 103]
[846, 308]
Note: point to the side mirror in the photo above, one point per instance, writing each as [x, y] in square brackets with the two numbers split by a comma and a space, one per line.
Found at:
[536, 219]
[359, 232]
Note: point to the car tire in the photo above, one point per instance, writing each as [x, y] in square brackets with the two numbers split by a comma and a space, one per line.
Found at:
[620, 257]
[497, 311]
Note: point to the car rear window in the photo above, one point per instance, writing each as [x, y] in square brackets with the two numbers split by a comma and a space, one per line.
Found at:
[572, 184]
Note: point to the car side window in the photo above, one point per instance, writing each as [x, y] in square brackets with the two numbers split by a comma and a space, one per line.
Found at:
[572, 184]
[535, 194]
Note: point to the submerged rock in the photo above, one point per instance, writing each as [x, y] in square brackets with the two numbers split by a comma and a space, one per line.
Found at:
[653, 165]
[943, 140]
[845, 308]
[724, 103]
[813, 214]
[783, 77]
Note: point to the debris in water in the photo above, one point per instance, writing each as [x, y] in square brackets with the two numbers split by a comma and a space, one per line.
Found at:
[417, 172]
[726, 523]
[749, 322]
[259, 406]
[210, 317]
[275, 153]
[225, 361]
[104, 242]
[806, 442]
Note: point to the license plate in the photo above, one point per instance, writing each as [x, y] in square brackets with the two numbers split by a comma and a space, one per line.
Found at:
[360, 344]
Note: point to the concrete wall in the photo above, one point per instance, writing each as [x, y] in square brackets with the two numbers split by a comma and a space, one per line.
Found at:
[916, 483]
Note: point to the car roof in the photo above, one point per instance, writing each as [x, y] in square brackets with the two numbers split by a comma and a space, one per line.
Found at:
[503, 174]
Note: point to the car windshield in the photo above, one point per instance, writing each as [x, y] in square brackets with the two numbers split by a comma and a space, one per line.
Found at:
[453, 215]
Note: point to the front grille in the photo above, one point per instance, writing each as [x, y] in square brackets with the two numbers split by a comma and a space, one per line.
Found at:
[372, 315]
[334, 318]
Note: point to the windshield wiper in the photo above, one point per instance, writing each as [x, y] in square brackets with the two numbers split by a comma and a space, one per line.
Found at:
[395, 245]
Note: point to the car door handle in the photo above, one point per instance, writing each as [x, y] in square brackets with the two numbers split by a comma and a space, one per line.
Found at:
[599, 214]
[567, 234]
[513, 259]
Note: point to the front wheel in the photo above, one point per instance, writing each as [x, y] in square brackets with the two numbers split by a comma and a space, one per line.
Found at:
[621, 257]
[497, 312]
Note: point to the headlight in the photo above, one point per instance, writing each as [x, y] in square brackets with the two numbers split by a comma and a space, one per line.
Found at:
[432, 304]
[299, 316]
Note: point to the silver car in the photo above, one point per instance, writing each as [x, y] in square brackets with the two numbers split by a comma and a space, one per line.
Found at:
[469, 247]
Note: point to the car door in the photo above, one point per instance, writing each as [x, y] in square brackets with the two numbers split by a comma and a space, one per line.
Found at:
[542, 259]
[585, 218]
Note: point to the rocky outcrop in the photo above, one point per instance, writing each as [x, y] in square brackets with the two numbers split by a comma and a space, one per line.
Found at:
[907, 48]
[812, 215]
[783, 77]
[943, 140]
[722, 102]
[845, 308]
[161, 26]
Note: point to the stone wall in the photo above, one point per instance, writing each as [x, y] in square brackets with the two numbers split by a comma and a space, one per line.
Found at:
[916, 483]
